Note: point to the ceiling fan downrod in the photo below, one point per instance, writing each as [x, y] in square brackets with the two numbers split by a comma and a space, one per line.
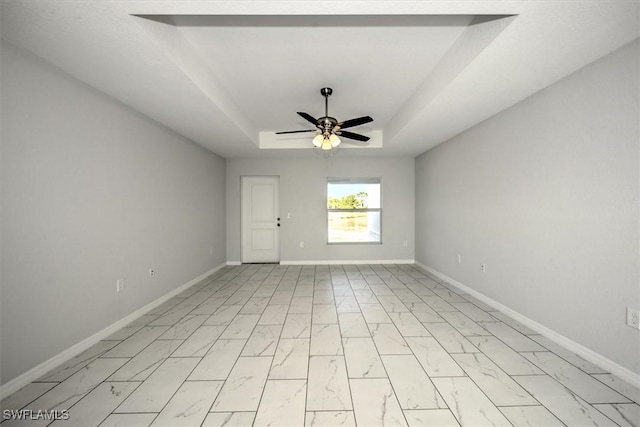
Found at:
[326, 122]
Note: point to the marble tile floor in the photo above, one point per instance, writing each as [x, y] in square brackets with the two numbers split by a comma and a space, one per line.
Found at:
[342, 345]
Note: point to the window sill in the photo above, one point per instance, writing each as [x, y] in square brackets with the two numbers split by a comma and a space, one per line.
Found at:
[354, 243]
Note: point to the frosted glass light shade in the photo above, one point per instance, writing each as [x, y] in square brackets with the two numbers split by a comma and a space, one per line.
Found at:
[335, 141]
[317, 141]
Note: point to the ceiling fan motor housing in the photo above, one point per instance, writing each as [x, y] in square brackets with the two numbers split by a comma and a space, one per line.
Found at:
[327, 123]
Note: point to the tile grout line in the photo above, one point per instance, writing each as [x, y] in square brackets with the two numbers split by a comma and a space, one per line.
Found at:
[249, 278]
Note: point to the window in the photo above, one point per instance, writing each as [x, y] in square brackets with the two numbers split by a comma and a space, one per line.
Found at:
[354, 210]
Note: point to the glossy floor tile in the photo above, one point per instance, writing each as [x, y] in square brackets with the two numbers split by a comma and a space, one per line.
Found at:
[283, 403]
[339, 345]
[375, 403]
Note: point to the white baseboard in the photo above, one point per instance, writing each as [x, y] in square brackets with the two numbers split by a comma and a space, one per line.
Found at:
[38, 371]
[582, 351]
[234, 263]
[349, 262]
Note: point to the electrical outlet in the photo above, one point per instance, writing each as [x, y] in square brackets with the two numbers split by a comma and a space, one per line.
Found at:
[152, 273]
[459, 259]
[119, 285]
[483, 268]
[405, 243]
[633, 318]
[289, 216]
[302, 244]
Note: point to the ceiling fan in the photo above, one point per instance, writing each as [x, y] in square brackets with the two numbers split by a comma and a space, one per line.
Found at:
[328, 128]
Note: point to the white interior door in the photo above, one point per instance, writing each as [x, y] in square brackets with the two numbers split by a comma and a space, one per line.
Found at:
[260, 219]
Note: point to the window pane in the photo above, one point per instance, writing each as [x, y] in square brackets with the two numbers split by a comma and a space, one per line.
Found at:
[354, 227]
[353, 195]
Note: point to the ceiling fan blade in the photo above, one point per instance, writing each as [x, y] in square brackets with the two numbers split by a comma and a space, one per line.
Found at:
[354, 122]
[352, 135]
[309, 118]
[296, 131]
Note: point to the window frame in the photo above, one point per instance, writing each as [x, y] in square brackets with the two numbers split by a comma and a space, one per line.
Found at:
[361, 180]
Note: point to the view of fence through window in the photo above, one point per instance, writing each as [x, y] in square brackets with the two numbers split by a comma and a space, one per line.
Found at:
[354, 210]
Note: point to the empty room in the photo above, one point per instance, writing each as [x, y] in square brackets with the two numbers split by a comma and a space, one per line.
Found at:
[320, 213]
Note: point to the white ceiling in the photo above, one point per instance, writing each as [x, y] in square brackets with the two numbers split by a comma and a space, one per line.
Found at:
[227, 74]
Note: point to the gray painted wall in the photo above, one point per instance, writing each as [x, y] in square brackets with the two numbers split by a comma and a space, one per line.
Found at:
[303, 193]
[92, 193]
[546, 195]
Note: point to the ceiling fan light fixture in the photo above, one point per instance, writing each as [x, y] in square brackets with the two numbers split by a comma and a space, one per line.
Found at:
[326, 142]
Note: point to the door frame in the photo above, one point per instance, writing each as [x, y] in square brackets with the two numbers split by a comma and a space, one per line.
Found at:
[242, 218]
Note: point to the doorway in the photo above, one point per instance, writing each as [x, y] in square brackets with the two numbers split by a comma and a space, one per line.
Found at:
[260, 223]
